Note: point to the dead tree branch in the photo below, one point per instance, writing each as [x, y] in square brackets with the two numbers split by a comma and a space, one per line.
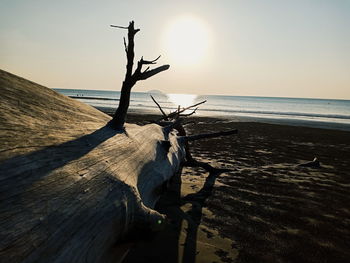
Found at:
[132, 77]
[188, 114]
[172, 121]
[176, 113]
[160, 108]
[122, 27]
[145, 62]
[149, 73]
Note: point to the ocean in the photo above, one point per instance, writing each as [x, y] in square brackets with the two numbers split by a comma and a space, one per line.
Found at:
[325, 113]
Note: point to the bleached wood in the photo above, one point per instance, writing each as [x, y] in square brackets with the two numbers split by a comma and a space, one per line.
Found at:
[70, 186]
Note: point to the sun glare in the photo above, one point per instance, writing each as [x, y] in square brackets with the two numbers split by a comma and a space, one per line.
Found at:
[186, 40]
[184, 100]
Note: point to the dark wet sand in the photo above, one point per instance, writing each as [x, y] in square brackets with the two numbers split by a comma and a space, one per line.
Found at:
[265, 208]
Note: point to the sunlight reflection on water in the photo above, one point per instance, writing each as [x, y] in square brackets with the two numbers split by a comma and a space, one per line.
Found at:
[184, 100]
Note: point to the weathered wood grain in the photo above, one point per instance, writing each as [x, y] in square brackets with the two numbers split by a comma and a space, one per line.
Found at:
[71, 187]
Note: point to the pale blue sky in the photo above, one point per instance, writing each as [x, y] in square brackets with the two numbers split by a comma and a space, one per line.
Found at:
[257, 48]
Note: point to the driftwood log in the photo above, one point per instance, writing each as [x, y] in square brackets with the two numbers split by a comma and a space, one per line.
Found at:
[75, 183]
[70, 185]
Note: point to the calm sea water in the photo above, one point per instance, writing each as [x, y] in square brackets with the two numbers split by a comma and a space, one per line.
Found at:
[312, 111]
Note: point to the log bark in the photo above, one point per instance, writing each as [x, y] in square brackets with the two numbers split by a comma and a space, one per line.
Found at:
[72, 187]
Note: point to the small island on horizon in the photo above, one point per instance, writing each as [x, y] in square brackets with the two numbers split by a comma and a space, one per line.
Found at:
[155, 91]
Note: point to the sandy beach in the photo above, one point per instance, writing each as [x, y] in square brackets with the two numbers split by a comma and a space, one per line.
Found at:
[263, 208]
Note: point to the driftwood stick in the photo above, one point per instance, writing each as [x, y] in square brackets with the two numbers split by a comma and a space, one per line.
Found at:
[315, 163]
[175, 113]
[185, 109]
[160, 108]
[192, 106]
[188, 114]
[209, 135]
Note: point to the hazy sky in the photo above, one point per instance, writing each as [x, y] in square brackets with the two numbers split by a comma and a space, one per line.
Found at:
[256, 48]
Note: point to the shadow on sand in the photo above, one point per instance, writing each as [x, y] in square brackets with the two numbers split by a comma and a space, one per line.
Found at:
[165, 246]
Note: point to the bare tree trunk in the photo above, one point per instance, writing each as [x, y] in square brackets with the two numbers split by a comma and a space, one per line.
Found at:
[131, 78]
[119, 117]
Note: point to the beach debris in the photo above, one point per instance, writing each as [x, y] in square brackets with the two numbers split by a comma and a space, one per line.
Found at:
[315, 163]
[174, 121]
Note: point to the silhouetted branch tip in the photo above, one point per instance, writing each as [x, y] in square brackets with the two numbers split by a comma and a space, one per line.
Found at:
[176, 113]
[152, 72]
[189, 114]
[145, 62]
[122, 27]
[131, 28]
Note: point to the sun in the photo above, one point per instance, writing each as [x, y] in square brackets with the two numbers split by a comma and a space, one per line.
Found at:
[186, 40]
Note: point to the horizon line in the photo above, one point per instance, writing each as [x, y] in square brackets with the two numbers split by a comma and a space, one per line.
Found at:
[256, 96]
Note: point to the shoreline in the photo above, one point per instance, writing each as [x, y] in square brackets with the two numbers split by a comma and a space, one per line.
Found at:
[288, 122]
